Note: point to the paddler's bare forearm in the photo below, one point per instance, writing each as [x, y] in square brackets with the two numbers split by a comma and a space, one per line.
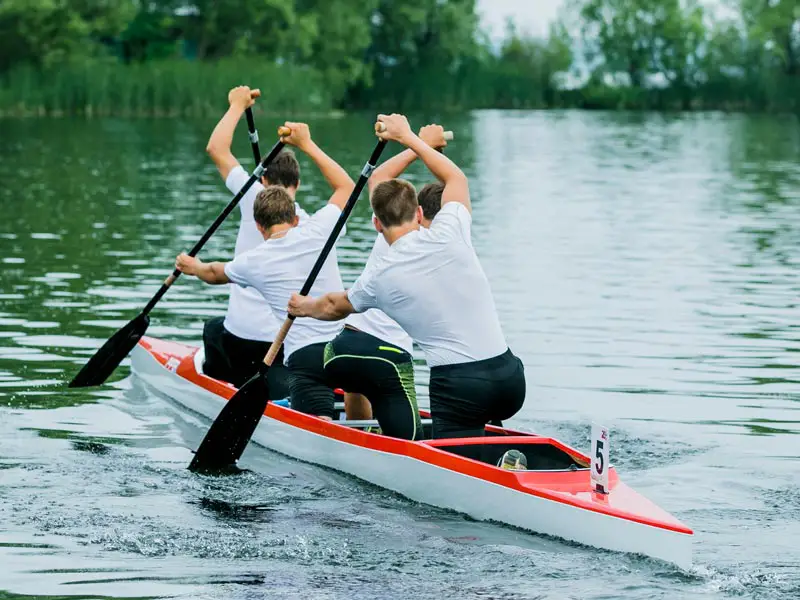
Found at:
[456, 187]
[456, 184]
[335, 175]
[334, 306]
[222, 137]
[392, 168]
[433, 135]
[332, 171]
[219, 144]
[213, 273]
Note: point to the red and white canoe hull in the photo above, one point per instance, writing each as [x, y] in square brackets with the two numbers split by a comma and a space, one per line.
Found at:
[556, 503]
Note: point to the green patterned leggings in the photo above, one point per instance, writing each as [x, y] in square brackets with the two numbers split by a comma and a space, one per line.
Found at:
[363, 364]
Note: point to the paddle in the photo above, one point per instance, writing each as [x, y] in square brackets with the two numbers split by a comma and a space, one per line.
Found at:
[231, 431]
[252, 133]
[108, 357]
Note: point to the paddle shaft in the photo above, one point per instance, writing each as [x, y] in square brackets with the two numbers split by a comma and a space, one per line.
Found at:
[326, 250]
[217, 222]
[252, 133]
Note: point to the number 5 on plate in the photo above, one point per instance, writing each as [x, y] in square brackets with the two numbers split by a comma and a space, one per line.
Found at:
[599, 458]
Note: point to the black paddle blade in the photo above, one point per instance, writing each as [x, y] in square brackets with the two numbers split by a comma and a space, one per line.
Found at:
[105, 360]
[234, 426]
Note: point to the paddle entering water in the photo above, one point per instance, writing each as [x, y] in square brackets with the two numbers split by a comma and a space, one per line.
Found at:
[231, 431]
[111, 354]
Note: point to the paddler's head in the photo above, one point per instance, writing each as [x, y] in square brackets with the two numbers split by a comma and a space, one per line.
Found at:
[396, 209]
[284, 171]
[274, 211]
[430, 199]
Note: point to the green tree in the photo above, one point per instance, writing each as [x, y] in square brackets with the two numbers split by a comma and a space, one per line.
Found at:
[153, 33]
[775, 26]
[418, 50]
[341, 36]
[42, 33]
[648, 40]
[678, 52]
[525, 68]
[621, 36]
[270, 28]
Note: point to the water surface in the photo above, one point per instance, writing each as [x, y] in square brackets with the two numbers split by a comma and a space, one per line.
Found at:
[646, 271]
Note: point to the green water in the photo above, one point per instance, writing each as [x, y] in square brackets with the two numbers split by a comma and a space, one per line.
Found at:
[646, 271]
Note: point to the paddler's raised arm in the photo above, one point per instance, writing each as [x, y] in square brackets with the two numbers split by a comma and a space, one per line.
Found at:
[340, 182]
[433, 135]
[456, 185]
[219, 144]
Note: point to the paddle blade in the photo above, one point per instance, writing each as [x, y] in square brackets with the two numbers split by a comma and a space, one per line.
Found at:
[234, 426]
[105, 360]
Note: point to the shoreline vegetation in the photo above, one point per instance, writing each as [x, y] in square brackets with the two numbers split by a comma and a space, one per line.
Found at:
[172, 58]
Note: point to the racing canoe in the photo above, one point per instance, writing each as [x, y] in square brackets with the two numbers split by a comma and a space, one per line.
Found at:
[554, 497]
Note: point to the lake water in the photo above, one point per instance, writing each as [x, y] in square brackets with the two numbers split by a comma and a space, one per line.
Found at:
[646, 271]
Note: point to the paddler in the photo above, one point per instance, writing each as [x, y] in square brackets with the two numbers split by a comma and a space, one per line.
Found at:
[432, 284]
[372, 356]
[235, 344]
[280, 265]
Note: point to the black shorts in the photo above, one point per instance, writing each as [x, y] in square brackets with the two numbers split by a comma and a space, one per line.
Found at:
[467, 396]
[309, 391]
[234, 359]
[364, 364]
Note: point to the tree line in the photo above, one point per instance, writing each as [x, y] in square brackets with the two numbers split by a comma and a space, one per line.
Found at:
[173, 56]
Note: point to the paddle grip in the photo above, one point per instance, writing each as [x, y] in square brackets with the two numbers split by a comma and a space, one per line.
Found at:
[351, 202]
[284, 131]
[253, 134]
[275, 347]
[380, 128]
[276, 149]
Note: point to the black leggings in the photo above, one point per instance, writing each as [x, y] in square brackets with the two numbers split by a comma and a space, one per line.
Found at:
[235, 360]
[364, 364]
[467, 396]
[308, 385]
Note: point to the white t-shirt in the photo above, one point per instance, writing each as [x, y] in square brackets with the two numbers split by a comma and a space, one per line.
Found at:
[249, 315]
[375, 321]
[279, 267]
[431, 282]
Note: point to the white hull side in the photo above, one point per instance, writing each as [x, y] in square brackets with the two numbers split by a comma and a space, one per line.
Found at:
[413, 479]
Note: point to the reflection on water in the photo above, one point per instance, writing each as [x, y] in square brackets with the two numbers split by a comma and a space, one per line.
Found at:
[645, 268]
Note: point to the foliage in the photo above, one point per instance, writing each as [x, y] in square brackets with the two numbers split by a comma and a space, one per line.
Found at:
[173, 56]
[45, 32]
[678, 55]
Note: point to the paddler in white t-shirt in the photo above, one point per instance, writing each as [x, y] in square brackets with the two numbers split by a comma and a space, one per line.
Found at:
[432, 284]
[235, 345]
[372, 356]
[281, 264]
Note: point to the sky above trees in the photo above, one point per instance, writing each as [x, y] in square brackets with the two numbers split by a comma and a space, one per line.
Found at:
[533, 16]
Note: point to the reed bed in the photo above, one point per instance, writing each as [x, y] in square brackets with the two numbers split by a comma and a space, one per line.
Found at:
[157, 89]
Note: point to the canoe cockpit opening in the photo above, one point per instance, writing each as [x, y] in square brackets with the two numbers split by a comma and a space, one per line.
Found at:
[542, 454]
